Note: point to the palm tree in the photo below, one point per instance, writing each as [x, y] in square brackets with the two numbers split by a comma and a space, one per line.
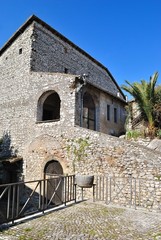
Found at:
[144, 95]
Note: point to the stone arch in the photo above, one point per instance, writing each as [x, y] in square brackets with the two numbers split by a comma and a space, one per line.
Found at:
[89, 111]
[53, 168]
[40, 151]
[48, 106]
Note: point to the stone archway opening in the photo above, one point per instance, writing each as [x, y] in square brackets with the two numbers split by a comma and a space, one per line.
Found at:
[48, 108]
[51, 107]
[53, 168]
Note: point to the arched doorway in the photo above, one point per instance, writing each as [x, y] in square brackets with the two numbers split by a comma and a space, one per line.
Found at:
[89, 118]
[53, 172]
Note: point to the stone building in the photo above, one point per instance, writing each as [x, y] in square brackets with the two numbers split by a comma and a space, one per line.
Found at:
[55, 99]
[50, 87]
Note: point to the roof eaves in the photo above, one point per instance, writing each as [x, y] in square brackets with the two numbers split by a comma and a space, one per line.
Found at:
[106, 91]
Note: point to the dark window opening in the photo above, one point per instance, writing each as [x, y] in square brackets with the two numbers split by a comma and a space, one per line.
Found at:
[65, 70]
[11, 172]
[115, 115]
[89, 119]
[51, 107]
[65, 50]
[20, 51]
[108, 112]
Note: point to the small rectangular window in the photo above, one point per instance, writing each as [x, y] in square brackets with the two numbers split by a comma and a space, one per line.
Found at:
[20, 51]
[65, 50]
[121, 113]
[108, 112]
[115, 115]
[65, 70]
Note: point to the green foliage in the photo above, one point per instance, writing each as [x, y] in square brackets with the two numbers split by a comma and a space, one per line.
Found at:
[76, 149]
[157, 107]
[145, 95]
[157, 236]
[24, 237]
[133, 134]
[158, 177]
[159, 133]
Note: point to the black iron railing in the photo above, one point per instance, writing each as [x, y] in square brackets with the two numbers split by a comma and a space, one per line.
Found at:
[21, 199]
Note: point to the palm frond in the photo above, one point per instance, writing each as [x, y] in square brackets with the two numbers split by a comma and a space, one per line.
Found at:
[144, 95]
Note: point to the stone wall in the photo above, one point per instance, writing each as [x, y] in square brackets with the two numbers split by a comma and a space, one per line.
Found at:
[104, 155]
[52, 54]
[38, 49]
[19, 116]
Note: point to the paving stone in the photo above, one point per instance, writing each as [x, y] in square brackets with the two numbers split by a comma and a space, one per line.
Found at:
[88, 220]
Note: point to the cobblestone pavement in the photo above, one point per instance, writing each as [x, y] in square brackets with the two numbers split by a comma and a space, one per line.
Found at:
[88, 220]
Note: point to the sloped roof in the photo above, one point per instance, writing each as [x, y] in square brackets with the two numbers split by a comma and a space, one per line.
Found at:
[34, 18]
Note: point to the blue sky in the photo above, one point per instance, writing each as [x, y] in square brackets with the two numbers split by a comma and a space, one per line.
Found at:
[124, 35]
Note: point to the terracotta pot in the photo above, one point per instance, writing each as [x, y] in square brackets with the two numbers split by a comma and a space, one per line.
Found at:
[84, 181]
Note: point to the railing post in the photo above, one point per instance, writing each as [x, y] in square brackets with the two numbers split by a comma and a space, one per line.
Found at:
[139, 192]
[103, 187]
[8, 202]
[131, 193]
[110, 189]
[65, 195]
[94, 185]
[40, 192]
[74, 188]
[135, 193]
[97, 188]
[106, 201]
[18, 200]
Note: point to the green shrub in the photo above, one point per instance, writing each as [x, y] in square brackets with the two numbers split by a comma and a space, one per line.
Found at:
[159, 133]
[133, 134]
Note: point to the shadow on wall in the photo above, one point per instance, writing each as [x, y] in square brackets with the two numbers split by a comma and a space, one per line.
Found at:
[6, 149]
[10, 164]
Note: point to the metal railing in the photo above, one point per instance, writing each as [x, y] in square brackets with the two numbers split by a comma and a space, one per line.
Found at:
[21, 199]
[129, 192]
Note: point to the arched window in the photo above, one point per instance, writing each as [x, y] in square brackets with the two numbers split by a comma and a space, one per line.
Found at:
[89, 119]
[51, 107]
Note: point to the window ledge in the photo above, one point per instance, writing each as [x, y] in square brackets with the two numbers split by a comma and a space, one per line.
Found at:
[48, 121]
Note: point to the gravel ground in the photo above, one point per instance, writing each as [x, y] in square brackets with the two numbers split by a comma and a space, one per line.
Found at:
[88, 220]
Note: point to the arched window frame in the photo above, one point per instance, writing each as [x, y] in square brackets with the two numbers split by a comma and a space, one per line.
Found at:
[89, 113]
[40, 106]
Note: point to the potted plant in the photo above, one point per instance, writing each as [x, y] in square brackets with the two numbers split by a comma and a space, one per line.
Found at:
[77, 151]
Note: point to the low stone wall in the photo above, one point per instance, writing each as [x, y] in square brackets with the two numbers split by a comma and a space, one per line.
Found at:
[94, 153]
[103, 154]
